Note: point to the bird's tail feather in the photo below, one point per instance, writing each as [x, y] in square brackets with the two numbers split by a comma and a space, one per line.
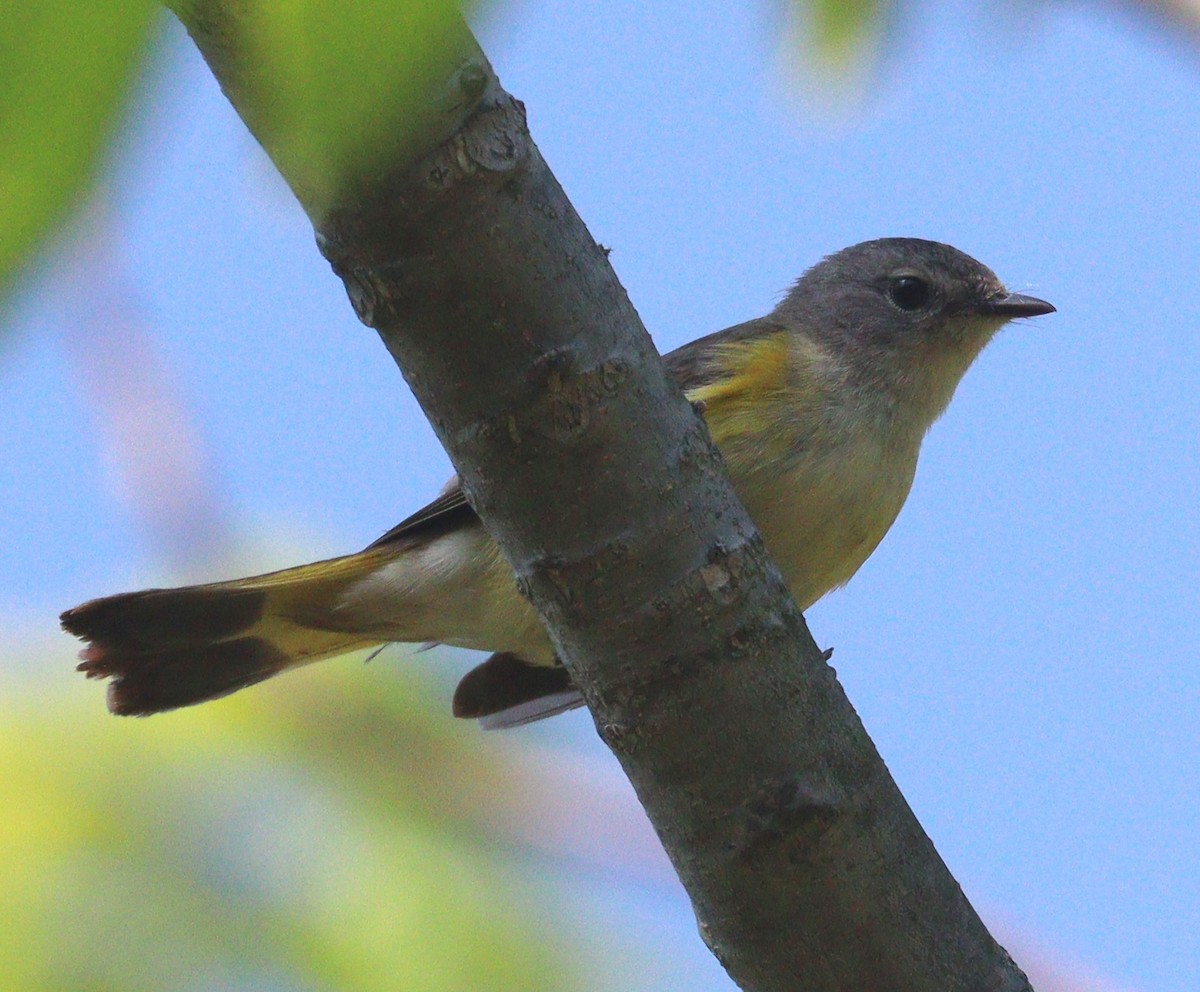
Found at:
[165, 648]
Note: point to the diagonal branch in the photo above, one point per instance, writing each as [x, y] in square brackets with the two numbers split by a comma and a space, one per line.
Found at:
[803, 861]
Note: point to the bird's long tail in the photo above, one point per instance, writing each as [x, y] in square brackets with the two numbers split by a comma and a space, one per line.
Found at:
[164, 648]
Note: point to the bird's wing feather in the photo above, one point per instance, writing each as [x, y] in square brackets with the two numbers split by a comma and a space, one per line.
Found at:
[709, 359]
[692, 366]
[447, 513]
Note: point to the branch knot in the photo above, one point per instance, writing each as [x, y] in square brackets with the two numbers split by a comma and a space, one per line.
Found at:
[790, 810]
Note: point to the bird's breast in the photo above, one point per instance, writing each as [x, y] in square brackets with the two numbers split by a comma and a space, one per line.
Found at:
[825, 512]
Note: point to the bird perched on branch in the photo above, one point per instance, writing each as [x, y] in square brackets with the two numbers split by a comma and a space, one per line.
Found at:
[819, 410]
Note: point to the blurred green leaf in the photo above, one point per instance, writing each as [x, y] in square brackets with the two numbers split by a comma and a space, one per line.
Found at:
[842, 31]
[344, 86]
[834, 43]
[65, 69]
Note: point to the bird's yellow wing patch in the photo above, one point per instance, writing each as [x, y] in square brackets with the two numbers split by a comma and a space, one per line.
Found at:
[759, 390]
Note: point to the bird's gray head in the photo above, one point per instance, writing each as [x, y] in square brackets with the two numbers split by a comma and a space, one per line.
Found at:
[904, 316]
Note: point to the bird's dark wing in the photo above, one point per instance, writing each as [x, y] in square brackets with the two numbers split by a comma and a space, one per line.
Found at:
[447, 513]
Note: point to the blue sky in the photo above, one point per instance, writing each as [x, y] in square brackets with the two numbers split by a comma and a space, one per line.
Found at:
[1023, 645]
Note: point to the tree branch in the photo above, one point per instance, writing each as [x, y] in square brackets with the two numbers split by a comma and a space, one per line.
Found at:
[803, 861]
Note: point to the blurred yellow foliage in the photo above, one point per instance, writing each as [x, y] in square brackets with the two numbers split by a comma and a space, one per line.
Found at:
[311, 834]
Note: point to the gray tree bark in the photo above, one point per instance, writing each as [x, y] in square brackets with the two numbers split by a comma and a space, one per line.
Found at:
[804, 864]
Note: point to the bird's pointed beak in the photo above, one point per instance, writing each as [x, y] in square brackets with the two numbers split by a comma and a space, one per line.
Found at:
[1014, 305]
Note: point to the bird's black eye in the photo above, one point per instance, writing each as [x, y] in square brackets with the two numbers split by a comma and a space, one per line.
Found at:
[909, 292]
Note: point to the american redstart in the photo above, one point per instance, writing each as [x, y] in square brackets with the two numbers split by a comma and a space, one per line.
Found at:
[818, 409]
